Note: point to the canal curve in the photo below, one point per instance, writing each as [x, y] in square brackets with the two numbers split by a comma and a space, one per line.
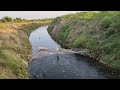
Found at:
[69, 65]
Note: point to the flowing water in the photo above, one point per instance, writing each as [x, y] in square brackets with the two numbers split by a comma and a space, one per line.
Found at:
[41, 38]
[69, 66]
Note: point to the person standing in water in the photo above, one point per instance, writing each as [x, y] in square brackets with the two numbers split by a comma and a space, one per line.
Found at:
[57, 54]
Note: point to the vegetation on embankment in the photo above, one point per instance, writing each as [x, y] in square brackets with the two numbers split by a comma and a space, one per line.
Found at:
[97, 31]
[15, 48]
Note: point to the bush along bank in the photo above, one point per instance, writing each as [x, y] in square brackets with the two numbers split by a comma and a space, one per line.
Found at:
[99, 32]
[15, 49]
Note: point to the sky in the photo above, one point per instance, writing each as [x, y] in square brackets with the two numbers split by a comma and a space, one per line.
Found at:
[34, 14]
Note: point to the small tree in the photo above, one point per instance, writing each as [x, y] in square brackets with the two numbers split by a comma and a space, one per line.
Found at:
[18, 19]
[6, 18]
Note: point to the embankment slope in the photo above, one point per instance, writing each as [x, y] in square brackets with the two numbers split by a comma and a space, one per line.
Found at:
[97, 31]
[15, 49]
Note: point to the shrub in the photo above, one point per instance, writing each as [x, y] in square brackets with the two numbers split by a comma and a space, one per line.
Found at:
[6, 19]
[106, 21]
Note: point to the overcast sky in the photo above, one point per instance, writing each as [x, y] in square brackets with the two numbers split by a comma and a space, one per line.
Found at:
[34, 14]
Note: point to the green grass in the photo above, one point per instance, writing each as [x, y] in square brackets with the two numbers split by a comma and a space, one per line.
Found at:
[97, 31]
[65, 29]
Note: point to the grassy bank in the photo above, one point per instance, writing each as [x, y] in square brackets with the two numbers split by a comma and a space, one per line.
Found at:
[15, 48]
[97, 31]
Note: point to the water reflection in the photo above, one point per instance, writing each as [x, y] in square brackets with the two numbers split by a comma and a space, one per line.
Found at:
[41, 38]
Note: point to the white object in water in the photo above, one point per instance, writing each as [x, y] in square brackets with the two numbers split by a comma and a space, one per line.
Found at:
[57, 50]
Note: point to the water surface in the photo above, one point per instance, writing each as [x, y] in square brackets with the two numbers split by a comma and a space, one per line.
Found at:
[41, 38]
[69, 65]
